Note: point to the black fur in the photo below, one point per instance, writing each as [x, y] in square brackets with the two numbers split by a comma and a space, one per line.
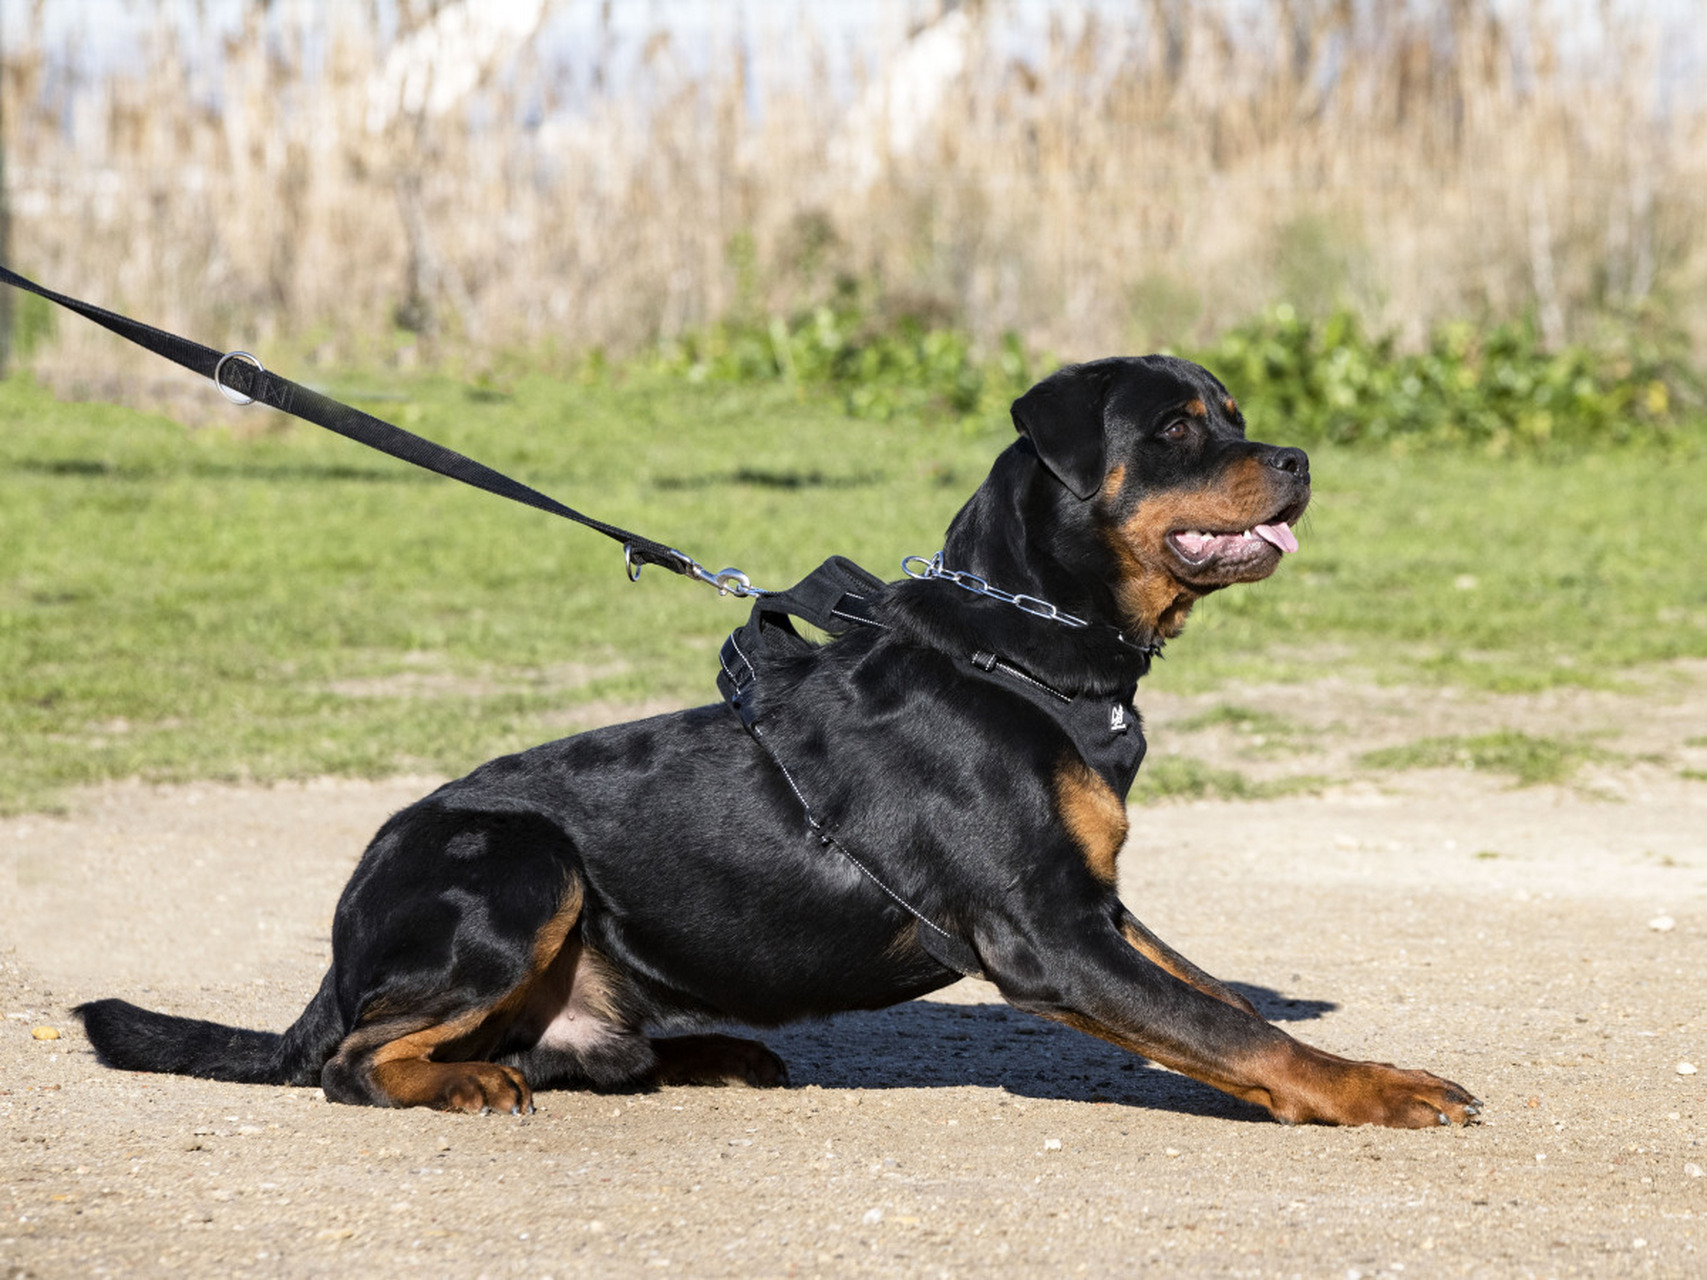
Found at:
[677, 855]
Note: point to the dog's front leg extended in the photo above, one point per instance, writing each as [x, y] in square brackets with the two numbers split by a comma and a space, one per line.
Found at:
[1160, 953]
[1098, 981]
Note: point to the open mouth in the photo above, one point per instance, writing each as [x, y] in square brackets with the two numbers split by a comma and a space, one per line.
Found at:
[1256, 549]
[1197, 547]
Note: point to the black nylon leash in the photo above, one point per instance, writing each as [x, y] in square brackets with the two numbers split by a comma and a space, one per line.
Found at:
[242, 380]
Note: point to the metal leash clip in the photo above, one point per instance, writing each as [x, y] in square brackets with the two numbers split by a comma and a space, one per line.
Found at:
[729, 582]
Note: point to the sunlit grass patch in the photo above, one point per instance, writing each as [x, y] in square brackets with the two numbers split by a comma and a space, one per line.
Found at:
[1244, 720]
[1526, 759]
[182, 603]
[1260, 732]
[1186, 778]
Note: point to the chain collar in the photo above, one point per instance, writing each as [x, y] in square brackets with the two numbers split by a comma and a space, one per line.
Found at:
[921, 568]
[1034, 605]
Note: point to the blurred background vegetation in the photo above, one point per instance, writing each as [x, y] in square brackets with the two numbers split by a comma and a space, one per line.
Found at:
[761, 279]
[1370, 211]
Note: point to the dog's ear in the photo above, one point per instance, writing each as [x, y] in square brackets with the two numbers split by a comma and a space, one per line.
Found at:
[1063, 418]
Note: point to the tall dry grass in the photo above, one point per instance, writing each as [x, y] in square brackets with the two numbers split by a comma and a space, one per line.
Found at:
[1139, 178]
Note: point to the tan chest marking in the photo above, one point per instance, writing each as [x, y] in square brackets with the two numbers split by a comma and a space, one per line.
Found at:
[1094, 816]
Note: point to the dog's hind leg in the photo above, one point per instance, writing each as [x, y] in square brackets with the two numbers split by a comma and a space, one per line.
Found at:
[456, 944]
[402, 1073]
[437, 1053]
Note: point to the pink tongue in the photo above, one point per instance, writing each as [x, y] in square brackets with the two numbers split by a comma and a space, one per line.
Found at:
[1279, 534]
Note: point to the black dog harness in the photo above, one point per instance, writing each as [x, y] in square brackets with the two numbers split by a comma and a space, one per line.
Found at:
[838, 596]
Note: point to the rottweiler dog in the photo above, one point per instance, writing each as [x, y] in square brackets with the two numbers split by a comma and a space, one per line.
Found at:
[939, 787]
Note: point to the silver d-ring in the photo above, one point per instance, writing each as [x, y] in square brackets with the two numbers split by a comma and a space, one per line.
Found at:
[231, 393]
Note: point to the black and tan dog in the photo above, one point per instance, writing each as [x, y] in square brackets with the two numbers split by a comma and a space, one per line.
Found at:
[945, 779]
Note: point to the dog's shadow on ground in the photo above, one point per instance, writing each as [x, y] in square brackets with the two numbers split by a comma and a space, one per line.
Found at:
[925, 1045]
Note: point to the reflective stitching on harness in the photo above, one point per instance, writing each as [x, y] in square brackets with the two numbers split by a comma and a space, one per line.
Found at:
[811, 819]
[752, 671]
[854, 617]
[824, 834]
[1017, 674]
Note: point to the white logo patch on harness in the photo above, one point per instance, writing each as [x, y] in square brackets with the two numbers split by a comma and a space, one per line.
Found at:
[1117, 718]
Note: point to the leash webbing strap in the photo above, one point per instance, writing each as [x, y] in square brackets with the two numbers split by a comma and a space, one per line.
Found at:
[240, 375]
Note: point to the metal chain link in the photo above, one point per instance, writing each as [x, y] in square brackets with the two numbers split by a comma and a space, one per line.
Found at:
[1037, 607]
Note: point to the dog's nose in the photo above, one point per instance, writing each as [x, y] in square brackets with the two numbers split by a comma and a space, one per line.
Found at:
[1292, 461]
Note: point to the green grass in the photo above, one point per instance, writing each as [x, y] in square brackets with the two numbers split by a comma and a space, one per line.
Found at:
[181, 603]
[1527, 760]
[1174, 777]
[1243, 720]
[1261, 730]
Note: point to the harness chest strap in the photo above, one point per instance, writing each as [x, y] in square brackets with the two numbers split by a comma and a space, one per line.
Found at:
[836, 597]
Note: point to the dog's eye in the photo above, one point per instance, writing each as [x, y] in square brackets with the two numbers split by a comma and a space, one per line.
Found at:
[1174, 432]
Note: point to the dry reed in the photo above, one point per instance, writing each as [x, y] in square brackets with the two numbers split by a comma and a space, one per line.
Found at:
[1136, 181]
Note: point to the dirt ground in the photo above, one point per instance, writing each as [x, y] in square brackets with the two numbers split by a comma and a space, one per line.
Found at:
[1544, 946]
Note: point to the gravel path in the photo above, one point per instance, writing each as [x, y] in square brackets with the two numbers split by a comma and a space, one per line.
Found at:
[1545, 947]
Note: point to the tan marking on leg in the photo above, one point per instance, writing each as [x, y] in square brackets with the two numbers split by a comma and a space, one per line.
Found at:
[437, 1065]
[1303, 1085]
[1094, 816]
[1165, 957]
[1308, 1086]
[1209, 1073]
[452, 1086]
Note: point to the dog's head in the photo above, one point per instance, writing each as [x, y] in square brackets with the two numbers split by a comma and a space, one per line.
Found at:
[1153, 449]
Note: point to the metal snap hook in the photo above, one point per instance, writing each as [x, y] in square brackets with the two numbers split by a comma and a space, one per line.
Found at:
[235, 396]
[731, 582]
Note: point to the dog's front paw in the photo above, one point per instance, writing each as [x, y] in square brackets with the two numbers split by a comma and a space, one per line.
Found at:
[1401, 1099]
[1319, 1088]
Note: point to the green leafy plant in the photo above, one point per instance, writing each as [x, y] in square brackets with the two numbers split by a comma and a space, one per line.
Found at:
[883, 365]
[1496, 389]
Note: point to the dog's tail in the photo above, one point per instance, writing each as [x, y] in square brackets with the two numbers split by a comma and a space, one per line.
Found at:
[135, 1039]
